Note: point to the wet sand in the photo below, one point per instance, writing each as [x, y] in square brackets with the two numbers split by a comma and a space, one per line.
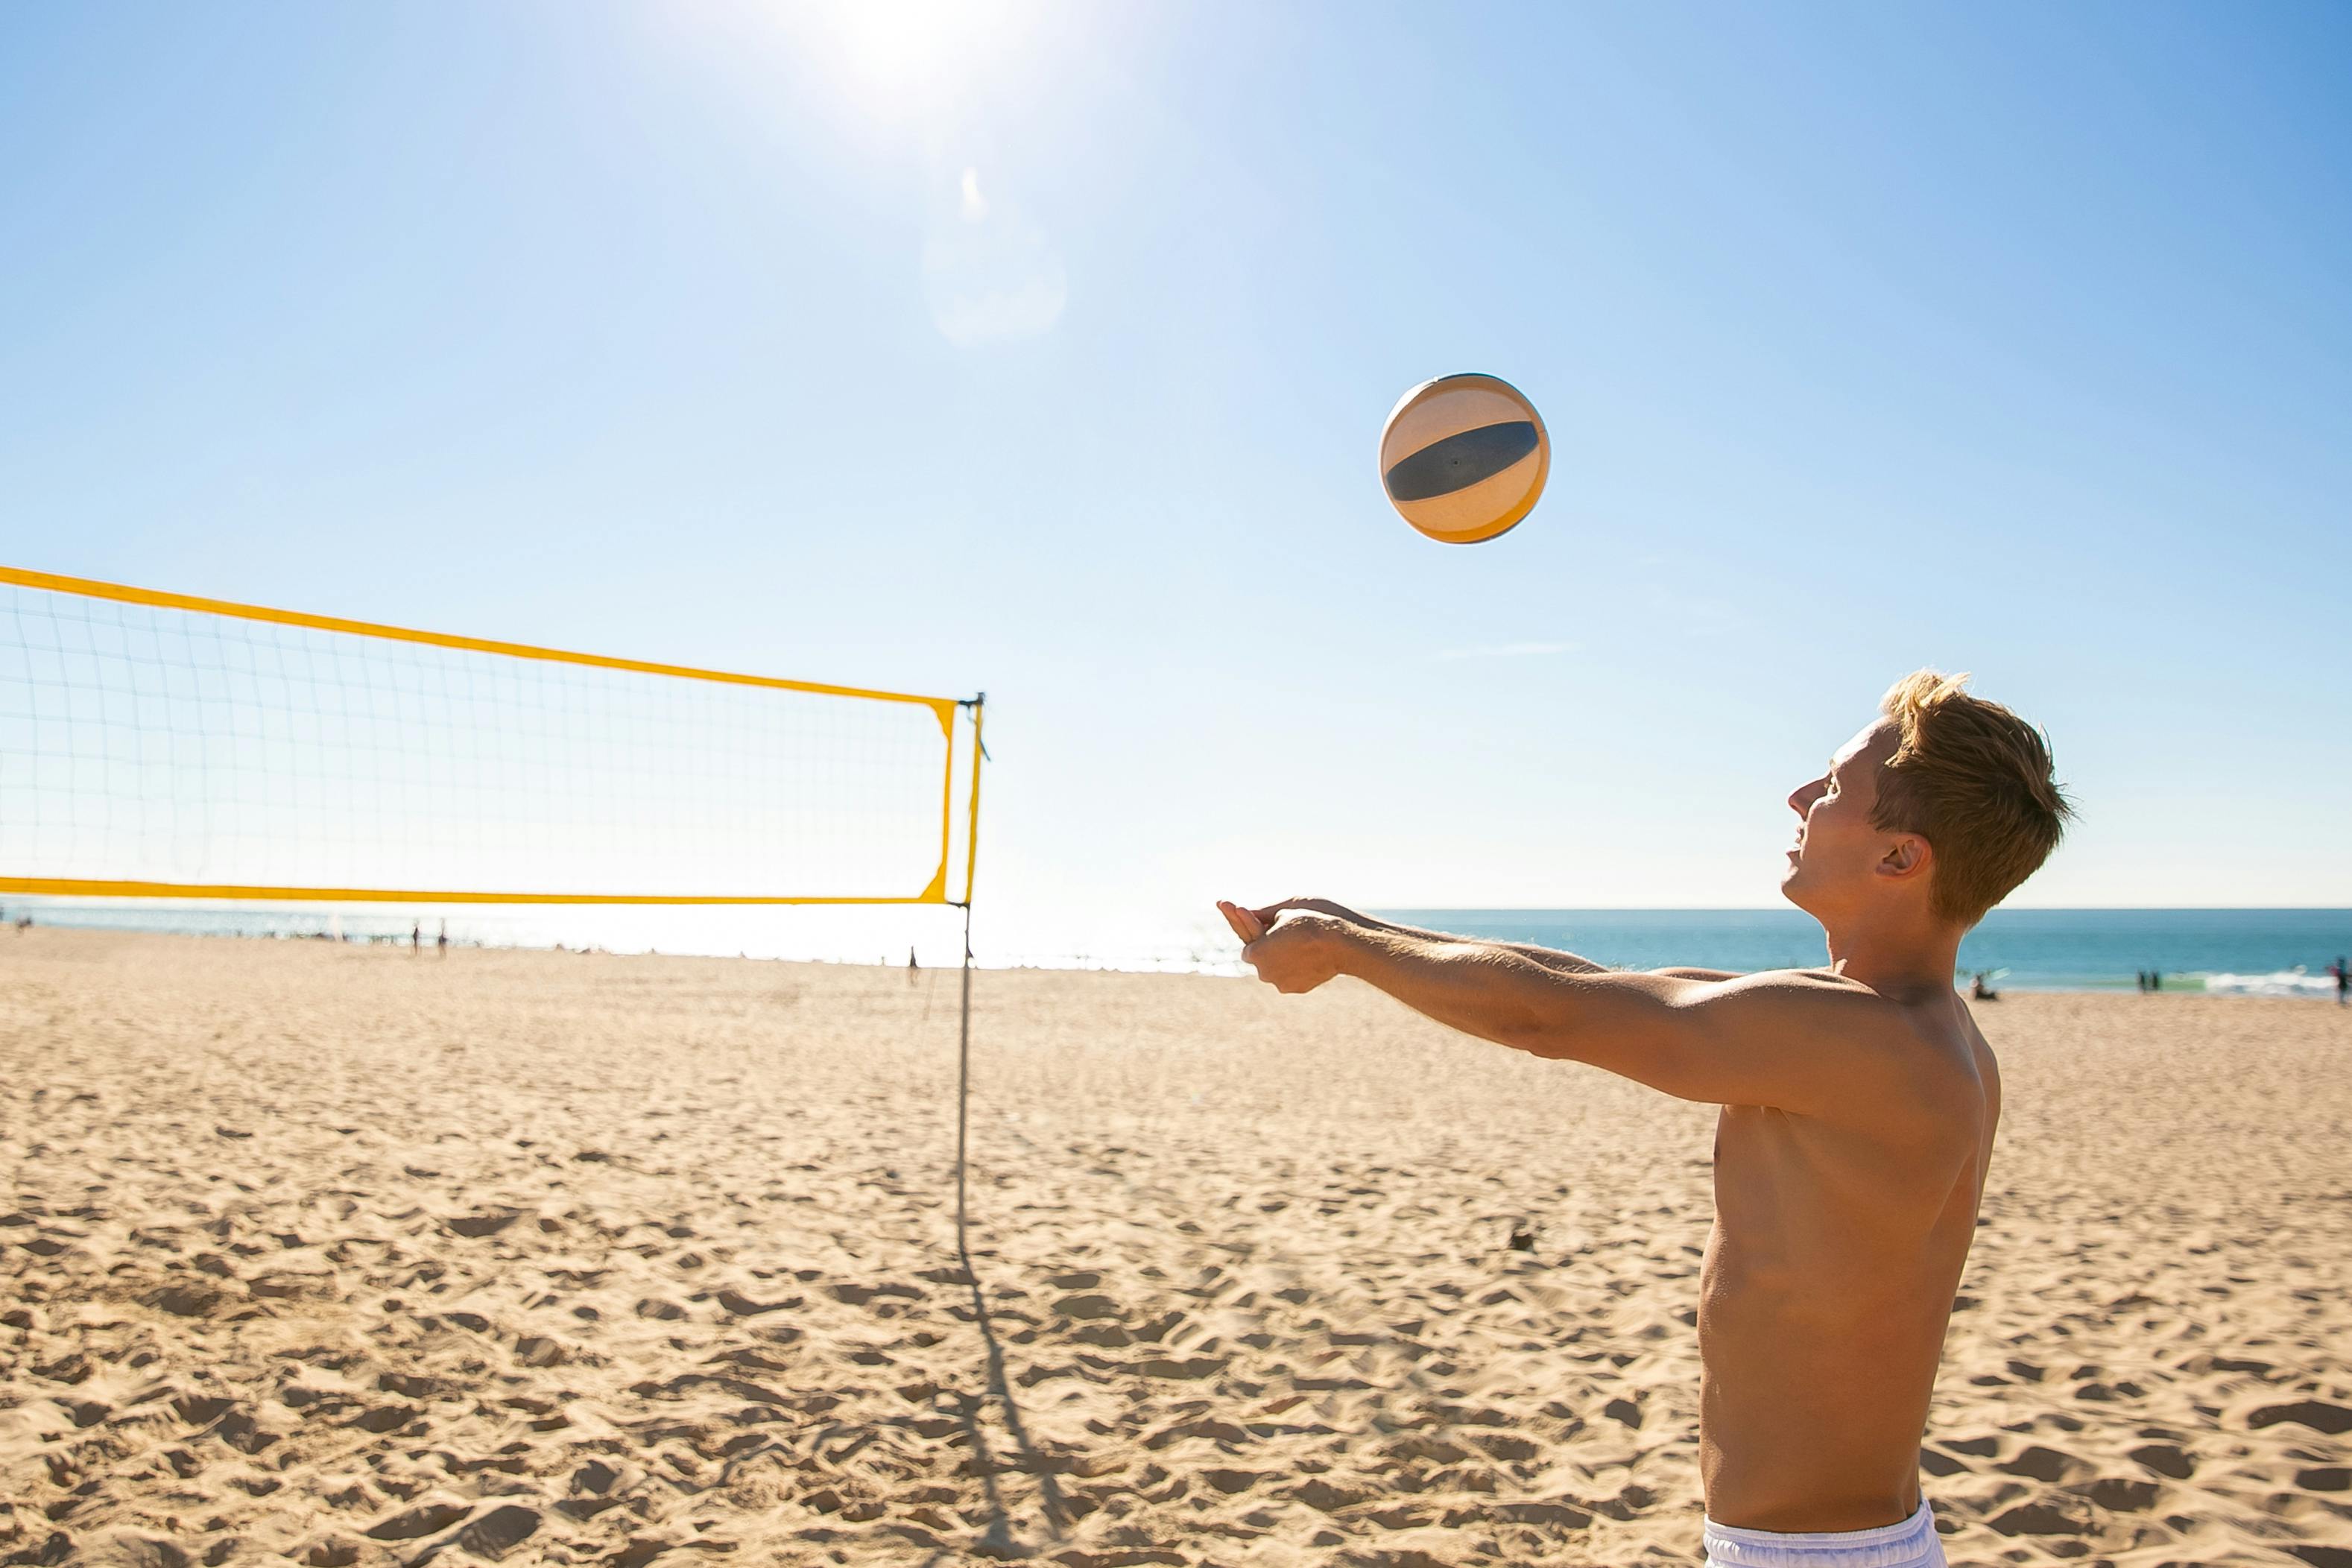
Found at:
[349, 1256]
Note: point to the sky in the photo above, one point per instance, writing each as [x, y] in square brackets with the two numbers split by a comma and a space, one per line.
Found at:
[1044, 350]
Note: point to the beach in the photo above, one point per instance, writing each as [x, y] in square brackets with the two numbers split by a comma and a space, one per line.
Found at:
[352, 1255]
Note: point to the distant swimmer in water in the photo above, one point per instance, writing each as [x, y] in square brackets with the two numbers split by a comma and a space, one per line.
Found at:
[1858, 1107]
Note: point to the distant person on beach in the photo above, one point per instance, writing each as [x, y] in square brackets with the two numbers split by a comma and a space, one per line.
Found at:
[2343, 980]
[910, 966]
[417, 938]
[1859, 1103]
[1981, 992]
[2156, 979]
[441, 942]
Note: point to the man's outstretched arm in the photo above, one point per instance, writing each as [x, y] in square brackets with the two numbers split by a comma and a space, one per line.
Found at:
[1786, 1040]
[1550, 958]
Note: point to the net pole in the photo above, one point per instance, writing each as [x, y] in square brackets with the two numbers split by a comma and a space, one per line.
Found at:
[963, 1021]
[963, 1086]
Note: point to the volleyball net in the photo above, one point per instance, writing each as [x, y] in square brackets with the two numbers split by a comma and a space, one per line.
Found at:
[157, 745]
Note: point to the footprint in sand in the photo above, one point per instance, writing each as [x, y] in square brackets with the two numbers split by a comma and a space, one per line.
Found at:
[1512, 1450]
[489, 1222]
[188, 1300]
[2051, 1515]
[743, 1306]
[2041, 1464]
[1191, 1367]
[498, 1532]
[428, 1517]
[597, 1486]
[2316, 1414]
[860, 1295]
[409, 1386]
[1436, 1450]
[387, 1419]
[2118, 1494]
[1207, 1426]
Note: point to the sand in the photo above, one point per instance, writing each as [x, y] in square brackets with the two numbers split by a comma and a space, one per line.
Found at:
[353, 1256]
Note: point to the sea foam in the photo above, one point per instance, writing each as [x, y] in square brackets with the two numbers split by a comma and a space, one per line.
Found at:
[2293, 982]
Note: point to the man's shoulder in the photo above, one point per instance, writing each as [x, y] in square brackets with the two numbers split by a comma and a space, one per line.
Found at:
[1823, 993]
[1841, 997]
[1886, 1038]
[1818, 1010]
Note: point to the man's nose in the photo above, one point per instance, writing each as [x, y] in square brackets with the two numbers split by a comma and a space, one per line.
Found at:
[1801, 799]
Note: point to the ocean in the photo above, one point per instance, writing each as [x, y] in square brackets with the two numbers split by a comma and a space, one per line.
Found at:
[2242, 951]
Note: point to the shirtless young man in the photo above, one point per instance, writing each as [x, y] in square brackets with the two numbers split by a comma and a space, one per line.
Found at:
[1859, 1103]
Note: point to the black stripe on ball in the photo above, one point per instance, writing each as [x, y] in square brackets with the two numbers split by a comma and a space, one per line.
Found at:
[1460, 461]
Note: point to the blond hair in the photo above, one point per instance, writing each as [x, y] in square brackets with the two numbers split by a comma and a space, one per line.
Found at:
[1975, 781]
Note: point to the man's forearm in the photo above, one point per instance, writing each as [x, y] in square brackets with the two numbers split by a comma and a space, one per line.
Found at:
[1553, 959]
[1557, 962]
[1492, 990]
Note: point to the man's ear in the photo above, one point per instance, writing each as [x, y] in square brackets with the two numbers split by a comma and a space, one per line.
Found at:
[1909, 856]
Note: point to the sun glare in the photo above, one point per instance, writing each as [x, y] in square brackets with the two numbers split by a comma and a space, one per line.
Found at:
[914, 54]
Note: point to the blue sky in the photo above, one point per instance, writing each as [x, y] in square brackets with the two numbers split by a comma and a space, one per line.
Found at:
[1045, 349]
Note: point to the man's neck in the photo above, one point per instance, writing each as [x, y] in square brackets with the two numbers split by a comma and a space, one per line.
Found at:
[1902, 961]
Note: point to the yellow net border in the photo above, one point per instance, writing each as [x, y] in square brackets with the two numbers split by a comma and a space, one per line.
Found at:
[944, 709]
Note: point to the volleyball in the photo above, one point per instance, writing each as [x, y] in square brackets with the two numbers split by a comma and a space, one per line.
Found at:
[1463, 458]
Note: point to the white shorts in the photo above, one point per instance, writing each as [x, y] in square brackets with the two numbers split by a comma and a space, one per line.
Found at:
[1910, 1544]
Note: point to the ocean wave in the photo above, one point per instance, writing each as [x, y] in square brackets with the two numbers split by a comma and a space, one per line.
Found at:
[2293, 982]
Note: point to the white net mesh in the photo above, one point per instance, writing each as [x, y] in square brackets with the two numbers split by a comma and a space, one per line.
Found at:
[154, 745]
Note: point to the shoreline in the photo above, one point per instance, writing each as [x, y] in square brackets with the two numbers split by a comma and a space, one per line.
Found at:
[326, 925]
